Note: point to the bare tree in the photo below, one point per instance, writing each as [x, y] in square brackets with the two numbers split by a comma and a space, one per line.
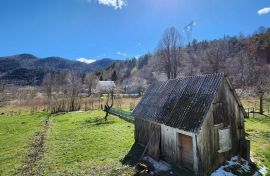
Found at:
[169, 53]
[216, 56]
[245, 69]
[263, 84]
[73, 84]
[108, 107]
[90, 80]
[48, 84]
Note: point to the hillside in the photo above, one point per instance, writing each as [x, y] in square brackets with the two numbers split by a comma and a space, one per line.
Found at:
[246, 59]
[28, 69]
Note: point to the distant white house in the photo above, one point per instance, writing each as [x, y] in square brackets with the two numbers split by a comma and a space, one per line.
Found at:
[160, 76]
[105, 86]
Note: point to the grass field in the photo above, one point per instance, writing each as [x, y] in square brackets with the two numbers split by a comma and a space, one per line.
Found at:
[74, 144]
[85, 144]
[82, 143]
[16, 133]
[258, 130]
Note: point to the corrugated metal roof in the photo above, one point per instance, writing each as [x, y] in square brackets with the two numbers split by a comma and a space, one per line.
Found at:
[180, 103]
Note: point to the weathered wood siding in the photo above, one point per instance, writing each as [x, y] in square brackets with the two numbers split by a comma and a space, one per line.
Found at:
[146, 131]
[169, 143]
[170, 146]
[164, 140]
[224, 112]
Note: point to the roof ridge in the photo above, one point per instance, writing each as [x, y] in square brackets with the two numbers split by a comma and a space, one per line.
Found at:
[200, 75]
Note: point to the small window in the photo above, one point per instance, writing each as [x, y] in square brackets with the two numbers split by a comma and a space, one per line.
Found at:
[225, 142]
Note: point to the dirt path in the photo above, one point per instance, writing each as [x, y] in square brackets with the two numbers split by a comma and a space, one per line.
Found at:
[30, 166]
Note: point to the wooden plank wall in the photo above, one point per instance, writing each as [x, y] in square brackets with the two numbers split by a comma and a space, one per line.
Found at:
[144, 130]
[169, 144]
[154, 146]
[208, 137]
[141, 131]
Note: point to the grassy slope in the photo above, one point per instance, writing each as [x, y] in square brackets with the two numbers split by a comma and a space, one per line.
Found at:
[16, 132]
[84, 144]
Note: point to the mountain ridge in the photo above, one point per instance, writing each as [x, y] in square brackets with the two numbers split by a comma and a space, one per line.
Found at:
[25, 67]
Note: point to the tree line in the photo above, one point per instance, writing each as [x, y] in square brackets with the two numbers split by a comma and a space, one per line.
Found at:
[245, 59]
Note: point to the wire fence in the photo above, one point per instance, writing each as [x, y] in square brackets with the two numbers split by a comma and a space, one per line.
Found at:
[251, 111]
[126, 115]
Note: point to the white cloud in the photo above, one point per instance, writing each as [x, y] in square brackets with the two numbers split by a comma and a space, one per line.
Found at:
[137, 56]
[120, 53]
[87, 61]
[264, 11]
[116, 4]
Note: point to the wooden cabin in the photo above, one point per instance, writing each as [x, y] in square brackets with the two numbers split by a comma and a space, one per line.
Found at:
[194, 122]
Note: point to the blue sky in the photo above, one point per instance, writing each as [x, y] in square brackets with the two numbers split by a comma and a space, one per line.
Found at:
[97, 29]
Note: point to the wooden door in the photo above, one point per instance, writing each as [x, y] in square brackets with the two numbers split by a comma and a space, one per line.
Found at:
[186, 151]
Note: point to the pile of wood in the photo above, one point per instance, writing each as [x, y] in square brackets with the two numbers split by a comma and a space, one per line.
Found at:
[141, 169]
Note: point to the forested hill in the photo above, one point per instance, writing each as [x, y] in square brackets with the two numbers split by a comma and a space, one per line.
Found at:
[246, 59]
[29, 69]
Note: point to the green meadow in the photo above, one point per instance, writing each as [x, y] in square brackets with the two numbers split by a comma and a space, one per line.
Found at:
[83, 143]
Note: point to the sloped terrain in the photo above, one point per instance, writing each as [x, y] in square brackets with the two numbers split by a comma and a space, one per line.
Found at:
[27, 69]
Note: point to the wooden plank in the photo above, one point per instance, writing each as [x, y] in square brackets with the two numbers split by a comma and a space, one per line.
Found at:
[186, 151]
[168, 143]
[148, 134]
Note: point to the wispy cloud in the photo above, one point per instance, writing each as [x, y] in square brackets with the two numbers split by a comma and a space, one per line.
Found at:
[87, 61]
[264, 11]
[137, 56]
[116, 4]
[120, 53]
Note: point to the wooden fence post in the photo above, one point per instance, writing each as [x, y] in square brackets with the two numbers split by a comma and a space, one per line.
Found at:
[261, 102]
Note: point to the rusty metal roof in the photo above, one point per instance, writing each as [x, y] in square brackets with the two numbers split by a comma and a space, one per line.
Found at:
[180, 103]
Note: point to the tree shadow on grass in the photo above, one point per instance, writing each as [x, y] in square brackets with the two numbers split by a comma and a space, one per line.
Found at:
[98, 121]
